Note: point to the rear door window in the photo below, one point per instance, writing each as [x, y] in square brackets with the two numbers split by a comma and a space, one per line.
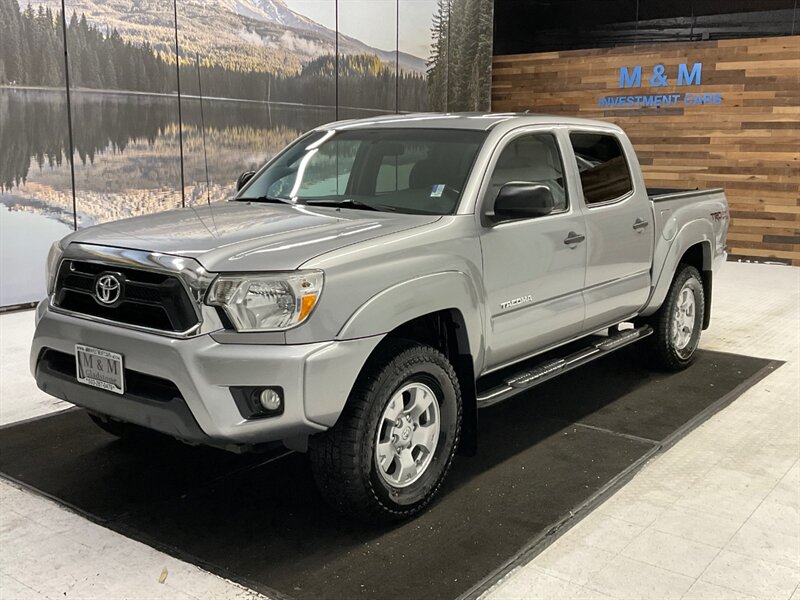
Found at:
[605, 176]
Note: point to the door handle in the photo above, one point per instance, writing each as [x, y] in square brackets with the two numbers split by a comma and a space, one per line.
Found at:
[640, 224]
[574, 238]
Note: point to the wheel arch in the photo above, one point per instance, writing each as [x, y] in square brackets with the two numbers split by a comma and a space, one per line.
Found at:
[447, 292]
[699, 257]
[446, 330]
[692, 246]
[439, 309]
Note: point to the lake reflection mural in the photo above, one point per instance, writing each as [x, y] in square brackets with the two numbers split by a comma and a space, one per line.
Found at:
[158, 125]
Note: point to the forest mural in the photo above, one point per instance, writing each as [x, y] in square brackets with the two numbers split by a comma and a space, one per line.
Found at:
[30, 43]
[460, 64]
[168, 100]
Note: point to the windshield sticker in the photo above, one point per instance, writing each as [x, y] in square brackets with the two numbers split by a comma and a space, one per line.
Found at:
[437, 190]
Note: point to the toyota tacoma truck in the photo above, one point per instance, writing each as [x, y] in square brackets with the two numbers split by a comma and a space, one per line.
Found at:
[372, 286]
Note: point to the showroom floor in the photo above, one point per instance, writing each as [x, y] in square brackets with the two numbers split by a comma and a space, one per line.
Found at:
[716, 516]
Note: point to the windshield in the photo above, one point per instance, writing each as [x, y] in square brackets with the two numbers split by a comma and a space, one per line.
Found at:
[405, 170]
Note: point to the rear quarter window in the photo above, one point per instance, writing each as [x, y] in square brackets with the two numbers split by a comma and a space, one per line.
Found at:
[605, 176]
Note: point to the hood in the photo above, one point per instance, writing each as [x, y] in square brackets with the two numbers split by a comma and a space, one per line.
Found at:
[244, 236]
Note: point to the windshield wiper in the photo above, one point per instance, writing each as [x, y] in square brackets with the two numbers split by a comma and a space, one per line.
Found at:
[350, 203]
[265, 199]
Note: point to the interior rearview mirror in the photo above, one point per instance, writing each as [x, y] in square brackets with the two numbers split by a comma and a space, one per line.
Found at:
[243, 179]
[523, 200]
[391, 148]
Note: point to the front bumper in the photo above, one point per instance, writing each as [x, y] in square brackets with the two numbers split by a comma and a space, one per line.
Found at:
[316, 380]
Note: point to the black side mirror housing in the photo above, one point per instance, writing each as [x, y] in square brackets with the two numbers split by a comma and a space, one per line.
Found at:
[523, 200]
[243, 179]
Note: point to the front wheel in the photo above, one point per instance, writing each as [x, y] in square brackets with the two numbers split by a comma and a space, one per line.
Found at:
[390, 450]
[679, 321]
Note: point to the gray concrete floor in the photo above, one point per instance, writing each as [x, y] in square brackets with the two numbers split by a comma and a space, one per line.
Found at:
[716, 516]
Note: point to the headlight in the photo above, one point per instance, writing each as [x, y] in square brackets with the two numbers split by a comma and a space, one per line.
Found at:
[267, 302]
[53, 258]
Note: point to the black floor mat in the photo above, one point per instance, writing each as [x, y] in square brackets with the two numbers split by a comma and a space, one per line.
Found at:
[260, 521]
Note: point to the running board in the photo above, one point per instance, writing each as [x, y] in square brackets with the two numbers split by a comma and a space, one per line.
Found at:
[525, 380]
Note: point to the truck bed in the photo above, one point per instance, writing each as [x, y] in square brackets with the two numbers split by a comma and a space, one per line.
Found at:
[662, 194]
[673, 209]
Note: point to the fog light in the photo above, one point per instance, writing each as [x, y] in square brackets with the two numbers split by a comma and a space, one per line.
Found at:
[269, 399]
[258, 402]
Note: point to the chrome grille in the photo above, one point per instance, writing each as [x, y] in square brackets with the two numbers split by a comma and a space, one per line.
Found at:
[147, 299]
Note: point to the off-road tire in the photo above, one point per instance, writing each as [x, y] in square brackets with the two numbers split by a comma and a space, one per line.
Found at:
[343, 458]
[664, 354]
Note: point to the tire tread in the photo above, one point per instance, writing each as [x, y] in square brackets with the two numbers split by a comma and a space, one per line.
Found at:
[335, 455]
[662, 352]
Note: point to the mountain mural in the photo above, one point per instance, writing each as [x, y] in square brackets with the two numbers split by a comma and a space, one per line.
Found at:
[257, 35]
[253, 75]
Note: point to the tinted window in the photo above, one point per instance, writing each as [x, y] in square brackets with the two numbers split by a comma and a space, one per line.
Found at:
[530, 158]
[407, 170]
[604, 171]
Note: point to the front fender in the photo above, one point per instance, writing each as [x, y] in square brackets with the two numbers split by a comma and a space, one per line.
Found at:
[414, 298]
[692, 233]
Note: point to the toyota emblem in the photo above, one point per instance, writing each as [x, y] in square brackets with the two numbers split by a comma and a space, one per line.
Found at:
[108, 288]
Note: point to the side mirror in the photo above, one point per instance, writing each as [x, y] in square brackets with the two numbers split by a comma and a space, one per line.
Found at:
[243, 179]
[522, 200]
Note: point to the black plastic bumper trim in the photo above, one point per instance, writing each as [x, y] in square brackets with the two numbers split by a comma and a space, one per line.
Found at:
[170, 416]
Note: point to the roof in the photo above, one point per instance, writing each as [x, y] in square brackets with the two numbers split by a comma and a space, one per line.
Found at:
[472, 121]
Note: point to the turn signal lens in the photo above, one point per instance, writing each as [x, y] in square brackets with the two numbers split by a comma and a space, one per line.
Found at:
[307, 305]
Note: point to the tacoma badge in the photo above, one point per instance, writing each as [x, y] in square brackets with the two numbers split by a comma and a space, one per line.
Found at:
[517, 301]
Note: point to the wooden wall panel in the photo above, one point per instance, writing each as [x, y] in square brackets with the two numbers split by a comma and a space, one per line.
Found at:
[749, 144]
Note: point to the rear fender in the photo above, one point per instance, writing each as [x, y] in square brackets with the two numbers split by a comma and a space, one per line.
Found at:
[697, 231]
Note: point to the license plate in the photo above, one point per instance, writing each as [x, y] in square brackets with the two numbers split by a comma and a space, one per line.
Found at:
[100, 368]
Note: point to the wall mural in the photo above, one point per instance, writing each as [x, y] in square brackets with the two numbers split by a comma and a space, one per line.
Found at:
[148, 134]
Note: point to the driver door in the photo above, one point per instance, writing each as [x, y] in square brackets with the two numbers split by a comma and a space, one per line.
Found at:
[533, 268]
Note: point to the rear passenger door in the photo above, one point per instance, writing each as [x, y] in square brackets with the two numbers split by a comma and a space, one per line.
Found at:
[619, 232]
[533, 268]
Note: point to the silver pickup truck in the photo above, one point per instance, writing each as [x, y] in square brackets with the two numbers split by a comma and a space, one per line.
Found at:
[373, 286]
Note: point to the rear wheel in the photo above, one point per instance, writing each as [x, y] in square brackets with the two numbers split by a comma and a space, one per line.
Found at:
[393, 444]
[679, 321]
